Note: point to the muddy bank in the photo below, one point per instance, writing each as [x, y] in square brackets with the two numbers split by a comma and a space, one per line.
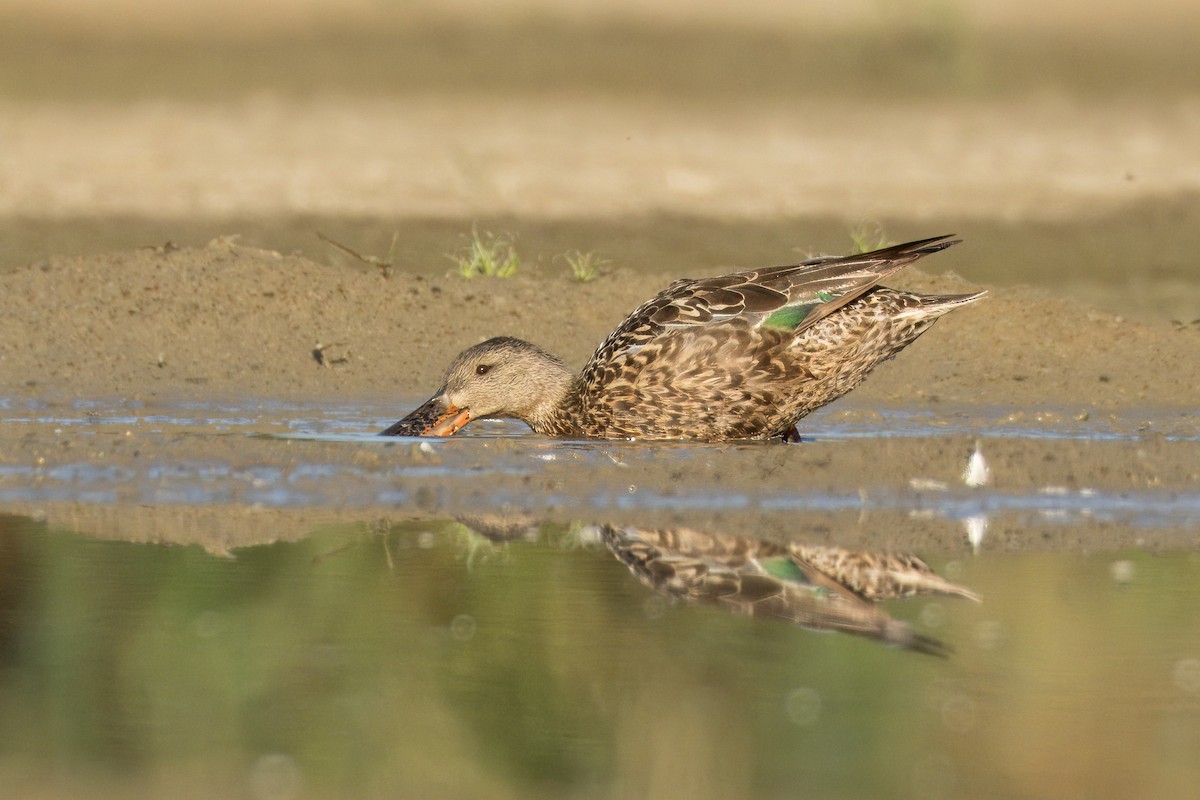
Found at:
[142, 330]
[1137, 260]
[230, 321]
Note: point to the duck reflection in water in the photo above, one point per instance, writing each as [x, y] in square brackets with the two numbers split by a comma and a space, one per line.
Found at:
[820, 587]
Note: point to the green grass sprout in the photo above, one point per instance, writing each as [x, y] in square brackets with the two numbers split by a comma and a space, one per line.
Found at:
[868, 236]
[488, 254]
[585, 267]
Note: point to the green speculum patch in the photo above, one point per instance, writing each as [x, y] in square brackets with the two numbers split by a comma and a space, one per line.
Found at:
[790, 317]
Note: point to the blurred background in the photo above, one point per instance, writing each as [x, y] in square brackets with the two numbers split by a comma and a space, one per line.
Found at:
[1061, 140]
[683, 137]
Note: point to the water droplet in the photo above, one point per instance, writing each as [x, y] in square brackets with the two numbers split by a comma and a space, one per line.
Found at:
[463, 627]
[654, 607]
[958, 713]
[989, 634]
[208, 624]
[933, 776]
[933, 615]
[803, 706]
[1187, 675]
[1122, 571]
[275, 777]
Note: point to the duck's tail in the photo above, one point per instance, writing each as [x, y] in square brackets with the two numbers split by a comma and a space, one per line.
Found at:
[911, 251]
[932, 306]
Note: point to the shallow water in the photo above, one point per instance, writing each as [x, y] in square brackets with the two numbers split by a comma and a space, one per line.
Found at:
[363, 660]
[198, 454]
[263, 600]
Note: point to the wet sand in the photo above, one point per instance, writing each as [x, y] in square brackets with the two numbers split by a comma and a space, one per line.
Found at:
[901, 494]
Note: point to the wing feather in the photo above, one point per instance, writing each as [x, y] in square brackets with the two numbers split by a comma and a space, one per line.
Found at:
[792, 296]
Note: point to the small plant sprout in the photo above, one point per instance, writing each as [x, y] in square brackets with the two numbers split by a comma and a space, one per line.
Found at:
[489, 255]
[868, 236]
[585, 267]
[324, 360]
[383, 265]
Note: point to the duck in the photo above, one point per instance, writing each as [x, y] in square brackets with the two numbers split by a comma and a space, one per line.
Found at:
[742, 356]
[816, 586]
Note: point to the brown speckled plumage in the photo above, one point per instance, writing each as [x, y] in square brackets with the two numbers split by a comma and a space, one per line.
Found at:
[740, 356]
[815, 586]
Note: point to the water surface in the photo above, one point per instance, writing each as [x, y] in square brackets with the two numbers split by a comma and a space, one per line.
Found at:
[421, 659]
[264, 600]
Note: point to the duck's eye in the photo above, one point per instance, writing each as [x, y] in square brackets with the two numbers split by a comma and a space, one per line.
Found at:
[483, 369]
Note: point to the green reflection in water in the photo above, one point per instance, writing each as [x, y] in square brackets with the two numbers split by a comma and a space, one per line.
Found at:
[419, 660]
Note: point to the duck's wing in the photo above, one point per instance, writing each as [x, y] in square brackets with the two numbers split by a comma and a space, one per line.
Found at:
[875, 575]
[729, 549]
[773, 588]
[789, 297]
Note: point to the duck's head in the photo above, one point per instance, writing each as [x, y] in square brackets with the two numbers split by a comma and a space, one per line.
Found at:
[502, 377]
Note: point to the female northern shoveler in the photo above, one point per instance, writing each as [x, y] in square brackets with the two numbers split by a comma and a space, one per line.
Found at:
[817, 586]
[740, 356]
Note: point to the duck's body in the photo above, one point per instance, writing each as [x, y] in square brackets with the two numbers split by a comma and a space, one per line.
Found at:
[816, 586]
[740, 356]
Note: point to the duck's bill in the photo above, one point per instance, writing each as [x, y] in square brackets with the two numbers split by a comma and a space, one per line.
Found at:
[433, 418]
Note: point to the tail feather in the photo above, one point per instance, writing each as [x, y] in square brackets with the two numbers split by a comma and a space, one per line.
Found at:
[843, 278]
[919, 248]
[935, 305]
